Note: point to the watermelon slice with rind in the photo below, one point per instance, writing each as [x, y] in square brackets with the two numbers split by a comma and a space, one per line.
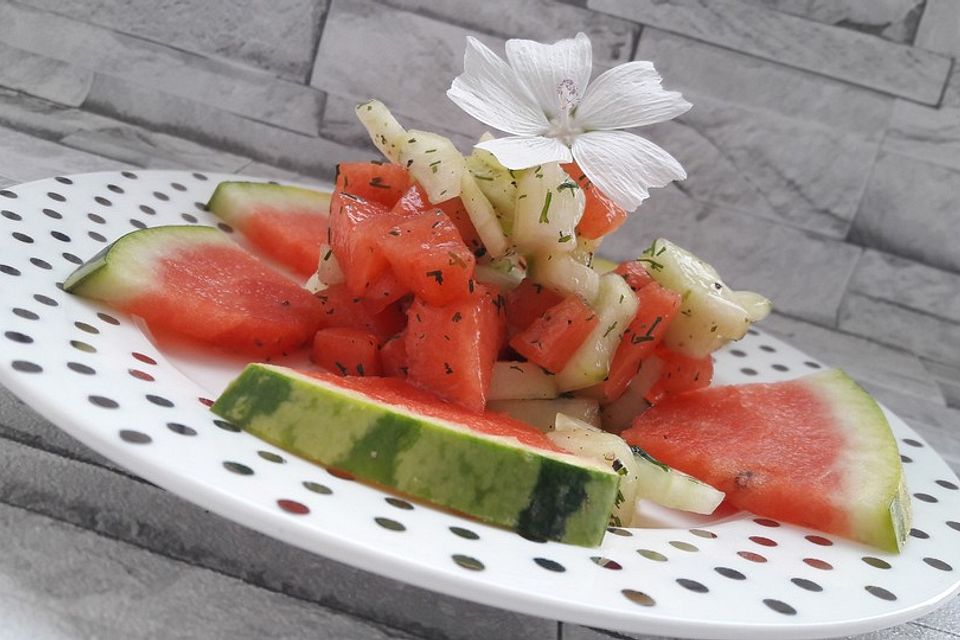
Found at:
[390, 433]
[816, 451]
[285, 223]
[194, 282]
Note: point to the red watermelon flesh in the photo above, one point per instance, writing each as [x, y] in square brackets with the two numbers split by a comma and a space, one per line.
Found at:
[290, 239]
[428, 257]
[347, 351]
[552, 339]
[415, 200]
[379, 182]
[340, 308]
[816, 451]
[286, 224]
[356, 229]
[401, 393]
[383, 292]
[656, 307]
[451, 349]
[193, 282]
[393, 356]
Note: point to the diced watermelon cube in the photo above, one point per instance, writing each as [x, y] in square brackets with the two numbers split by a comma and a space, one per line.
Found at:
[468, 233]
[413, 201]
[343, 309]
[356, 226]
[427, 255]
[656, 307]
[552, 339]
[383, 292]
[600, 215]
[379, 182]
[634, 273]
[451, 349]
[393, 356]
[680, 374]
[526, 303]
[347, 351]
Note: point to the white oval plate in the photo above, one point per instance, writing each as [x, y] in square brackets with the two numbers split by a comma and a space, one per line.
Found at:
[94, 373]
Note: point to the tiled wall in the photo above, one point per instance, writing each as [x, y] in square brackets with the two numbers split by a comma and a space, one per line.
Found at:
[823, 149]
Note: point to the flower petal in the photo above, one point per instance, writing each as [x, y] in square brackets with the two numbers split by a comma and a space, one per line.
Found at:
[625, 166]
[628, 95]
[522, 153]
[489, 90]
[542, 67]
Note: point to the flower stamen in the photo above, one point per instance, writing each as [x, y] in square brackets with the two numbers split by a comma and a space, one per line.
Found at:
[562, 127]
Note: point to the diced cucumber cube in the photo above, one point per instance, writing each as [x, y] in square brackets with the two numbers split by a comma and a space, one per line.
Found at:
[711, 313]
[542, 413]
[548, 207]
[641, 476]
[521, 381]
[562, 273]
[506, 272]
[483, 216]
[496, 181]
[328, 269]
[435, 163]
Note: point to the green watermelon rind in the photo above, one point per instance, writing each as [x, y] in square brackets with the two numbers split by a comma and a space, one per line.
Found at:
[539, 493]
[127, 267]
[876, 493]
[234, 202]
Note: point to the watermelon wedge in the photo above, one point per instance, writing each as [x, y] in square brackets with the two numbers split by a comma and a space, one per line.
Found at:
[816, 451]
[195, 282]
[387, 432]
[287, 224]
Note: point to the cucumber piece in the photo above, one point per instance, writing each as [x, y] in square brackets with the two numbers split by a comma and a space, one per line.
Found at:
[385, 132]
[521, 381]
[435, 163]
[602, 265]
[543, 413]
[328, 269]
[506, 272]
[673, 488]
[483, 216]
[589, 442]
[616, 304]
[642, 476]
[496, 181]
[548, 207]
[586, 251]
[562, 273]
[711, 314]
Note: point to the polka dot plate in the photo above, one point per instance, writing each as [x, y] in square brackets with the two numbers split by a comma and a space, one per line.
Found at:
[96, 374]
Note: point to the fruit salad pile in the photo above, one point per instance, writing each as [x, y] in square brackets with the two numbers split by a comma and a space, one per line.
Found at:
[476, 289]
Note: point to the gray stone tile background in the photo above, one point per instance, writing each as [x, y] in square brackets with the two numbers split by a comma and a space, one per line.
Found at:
[824, 162]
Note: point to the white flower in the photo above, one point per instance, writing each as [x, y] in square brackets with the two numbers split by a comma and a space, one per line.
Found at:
[544, 97]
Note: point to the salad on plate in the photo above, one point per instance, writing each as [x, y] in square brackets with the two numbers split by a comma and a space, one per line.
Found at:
[471, 350]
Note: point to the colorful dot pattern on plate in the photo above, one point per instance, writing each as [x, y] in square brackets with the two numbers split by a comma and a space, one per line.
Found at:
[95, 373]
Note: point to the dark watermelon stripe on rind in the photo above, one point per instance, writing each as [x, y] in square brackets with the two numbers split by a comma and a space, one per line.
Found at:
[390, 436]
[552, 504]
[495, 479]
